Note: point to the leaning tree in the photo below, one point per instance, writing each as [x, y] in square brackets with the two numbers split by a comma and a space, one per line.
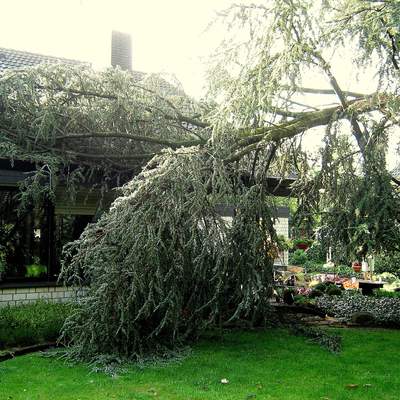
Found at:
[162, 265]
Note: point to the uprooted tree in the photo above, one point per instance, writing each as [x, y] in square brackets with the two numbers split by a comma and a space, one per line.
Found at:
[162, 265]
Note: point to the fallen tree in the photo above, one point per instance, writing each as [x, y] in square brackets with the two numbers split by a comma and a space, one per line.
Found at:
[162, 265]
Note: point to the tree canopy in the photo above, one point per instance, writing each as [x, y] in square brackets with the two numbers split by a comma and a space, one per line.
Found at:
[162, 264]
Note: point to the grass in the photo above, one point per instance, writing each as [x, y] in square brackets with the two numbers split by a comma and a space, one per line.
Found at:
[258, 365]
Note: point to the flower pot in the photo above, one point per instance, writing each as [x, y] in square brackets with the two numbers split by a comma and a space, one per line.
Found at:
[302, 246]
[356, 267]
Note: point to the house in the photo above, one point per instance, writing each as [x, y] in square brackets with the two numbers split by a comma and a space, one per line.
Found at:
[35, 238]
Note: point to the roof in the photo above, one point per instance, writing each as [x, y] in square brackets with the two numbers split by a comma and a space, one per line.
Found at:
[12, 59]
[396, 171]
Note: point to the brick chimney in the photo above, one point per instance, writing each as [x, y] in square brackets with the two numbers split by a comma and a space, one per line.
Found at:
[121, 50]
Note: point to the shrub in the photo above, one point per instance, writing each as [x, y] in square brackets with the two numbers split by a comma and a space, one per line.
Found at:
[344, 271]
[316, 253]
[298, 257]
[363, 318]
[325, 286]
[389, 262]
[311, 266]
[35, 270]
[284, 243]
[32, 323]
[316, 293]
[388, 277]
[328, 288]
[386, 311]
[333, 290]
[301, 300]
[321, 286]
[386, 293]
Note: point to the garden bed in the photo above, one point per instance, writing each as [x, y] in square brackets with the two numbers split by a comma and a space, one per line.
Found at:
[32, 324]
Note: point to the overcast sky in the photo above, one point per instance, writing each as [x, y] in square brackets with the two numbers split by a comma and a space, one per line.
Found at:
[167, 35]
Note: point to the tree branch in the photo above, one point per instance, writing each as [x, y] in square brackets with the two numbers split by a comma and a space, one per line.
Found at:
[287, 113]
[251, 139]
[362, 142]
[331, 91]
[139, 138]
[144, 156]
[179, 117]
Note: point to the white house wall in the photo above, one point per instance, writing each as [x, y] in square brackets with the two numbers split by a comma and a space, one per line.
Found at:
[282, 228]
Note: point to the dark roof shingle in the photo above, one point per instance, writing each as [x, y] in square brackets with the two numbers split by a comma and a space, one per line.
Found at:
[12, 59]
[15, 59]
[395, 172]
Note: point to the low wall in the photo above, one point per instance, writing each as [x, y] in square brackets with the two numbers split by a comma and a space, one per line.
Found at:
[29, 293]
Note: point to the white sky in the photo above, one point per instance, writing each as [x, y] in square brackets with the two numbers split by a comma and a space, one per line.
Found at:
[167, 35]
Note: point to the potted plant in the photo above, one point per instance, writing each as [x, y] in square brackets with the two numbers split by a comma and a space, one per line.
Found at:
[35, 270]
[302, 244]
[356, 266]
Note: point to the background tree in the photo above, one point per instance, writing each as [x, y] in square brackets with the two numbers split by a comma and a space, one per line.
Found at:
[278, 46]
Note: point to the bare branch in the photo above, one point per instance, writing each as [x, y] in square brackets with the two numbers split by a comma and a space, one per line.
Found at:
[306, 106]
[331, 91]
[341, 95]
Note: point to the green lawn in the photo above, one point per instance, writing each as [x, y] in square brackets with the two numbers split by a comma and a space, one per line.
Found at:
[259, 365]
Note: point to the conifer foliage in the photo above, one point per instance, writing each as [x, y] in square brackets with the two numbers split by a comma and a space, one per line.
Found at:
[163, 265]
